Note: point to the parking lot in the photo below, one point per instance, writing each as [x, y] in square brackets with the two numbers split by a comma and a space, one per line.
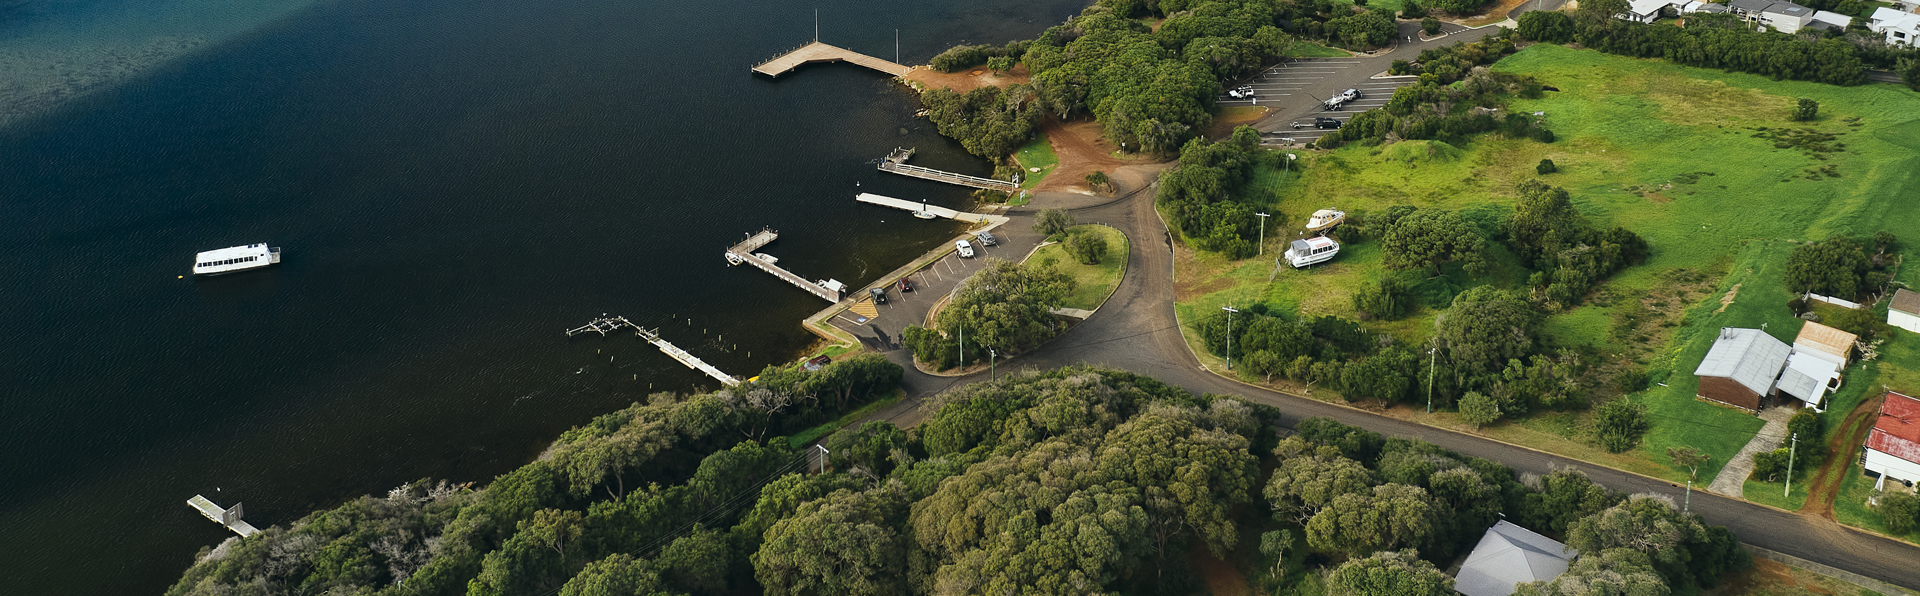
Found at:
[879, 325]
[1297, 91]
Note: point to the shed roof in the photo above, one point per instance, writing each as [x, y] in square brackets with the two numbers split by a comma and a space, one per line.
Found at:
[1827, 340]
[1833, 19]
[1897, 433]
[1712, 7]
[1748, 356]
[1906, 301]
[1647, 7]
[1807, 376]
[1750, 5]
[1508, 555]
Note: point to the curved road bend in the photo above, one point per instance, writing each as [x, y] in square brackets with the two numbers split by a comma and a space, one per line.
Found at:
[1136, 330]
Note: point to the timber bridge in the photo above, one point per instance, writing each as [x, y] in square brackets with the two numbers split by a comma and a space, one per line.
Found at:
[820, 52]
[896, 162]
[742, 253]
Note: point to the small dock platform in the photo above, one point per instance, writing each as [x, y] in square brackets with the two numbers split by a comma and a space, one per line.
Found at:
[820, 52]
[896, 162]
[912, 206]
[226, 517]
[742, 254]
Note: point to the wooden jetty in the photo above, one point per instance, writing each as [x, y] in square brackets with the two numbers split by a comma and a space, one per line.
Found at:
[694, 362]
[820, 52]
[742, 253]
[912, 206]
[226, 517]
[606, 324]
[896, 162]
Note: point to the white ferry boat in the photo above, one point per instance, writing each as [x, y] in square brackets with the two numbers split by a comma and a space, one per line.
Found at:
[236, 258]
[1308, 251]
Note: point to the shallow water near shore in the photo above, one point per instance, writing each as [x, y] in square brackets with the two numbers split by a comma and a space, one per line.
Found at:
[454, 184]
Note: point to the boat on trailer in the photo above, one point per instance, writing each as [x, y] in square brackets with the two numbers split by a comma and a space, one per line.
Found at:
[235, 259]
[1325, 218]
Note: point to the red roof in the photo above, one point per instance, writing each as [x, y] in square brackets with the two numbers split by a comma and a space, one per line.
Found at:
[1897, 433]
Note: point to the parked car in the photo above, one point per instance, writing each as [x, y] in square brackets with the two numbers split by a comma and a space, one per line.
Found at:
[879, 295]
[987, 239]
[1326, 123]
[906, 285]
[966, 250]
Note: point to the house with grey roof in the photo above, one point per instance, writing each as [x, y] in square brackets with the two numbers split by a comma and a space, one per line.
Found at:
[1786, 17]
[1748, 8]
[1904, 312]
[1509, 555]
[1741, 368]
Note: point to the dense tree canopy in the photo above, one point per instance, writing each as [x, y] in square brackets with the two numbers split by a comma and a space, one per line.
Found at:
[1005, 307]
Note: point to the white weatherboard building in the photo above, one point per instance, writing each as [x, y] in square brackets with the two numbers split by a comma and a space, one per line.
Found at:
[1900, 28]
[1905, 310]
[1893, 448]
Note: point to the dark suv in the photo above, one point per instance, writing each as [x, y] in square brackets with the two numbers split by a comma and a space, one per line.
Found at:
[879, 295]
[1326, 123]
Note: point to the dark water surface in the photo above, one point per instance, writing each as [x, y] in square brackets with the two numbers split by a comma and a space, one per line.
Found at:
[454, 184]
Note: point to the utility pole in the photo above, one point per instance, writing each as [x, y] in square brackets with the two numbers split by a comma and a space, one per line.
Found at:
[963, 348]
[1433, 355]
[823, 458]
[1790, 450]
[993, 356]
[1230, 312]
[1688, 504]
[1263, 234]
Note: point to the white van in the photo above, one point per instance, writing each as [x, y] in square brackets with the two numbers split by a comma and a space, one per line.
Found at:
[966, 250]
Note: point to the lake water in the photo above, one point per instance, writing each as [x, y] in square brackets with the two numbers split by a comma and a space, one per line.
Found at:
[454, 184]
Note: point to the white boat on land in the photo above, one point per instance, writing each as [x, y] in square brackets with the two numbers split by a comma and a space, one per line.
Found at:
[1308, 251]
[1325, 218]
[235, 258]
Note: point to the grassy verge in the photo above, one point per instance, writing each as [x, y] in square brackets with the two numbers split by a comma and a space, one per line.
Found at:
[805, 437]
[1037, 153]
[1305, 49]
[1769, 578]
[1092, 283]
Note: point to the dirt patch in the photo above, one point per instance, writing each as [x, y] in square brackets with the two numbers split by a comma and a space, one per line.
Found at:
[1727, 300]
[1081, 151]
[1229, 118]
[1492, 15]
[1658, 198]
[1222, 579]
[962, 82]
[1825, 488]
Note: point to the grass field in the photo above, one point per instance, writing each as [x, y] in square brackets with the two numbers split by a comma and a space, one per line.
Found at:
[1703, 164]
[1092, 283]
[1037, 153]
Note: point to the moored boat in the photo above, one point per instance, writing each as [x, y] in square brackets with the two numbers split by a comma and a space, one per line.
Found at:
[235, 258]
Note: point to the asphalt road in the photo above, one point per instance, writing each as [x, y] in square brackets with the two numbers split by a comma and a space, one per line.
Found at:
[1136, 330]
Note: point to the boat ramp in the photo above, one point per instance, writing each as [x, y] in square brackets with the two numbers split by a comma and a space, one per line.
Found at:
[742, 253]
[896, 162]
[226, 517]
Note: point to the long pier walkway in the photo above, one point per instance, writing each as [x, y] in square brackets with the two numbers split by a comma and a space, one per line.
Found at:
[827, 289]
[605, 323]
[896, 162]
[226, 517]
[820, 52]
[912, 206]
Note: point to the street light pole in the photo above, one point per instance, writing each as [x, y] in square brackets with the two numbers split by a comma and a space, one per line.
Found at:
[1433, 355]
[1230, 312]
[1687, 505]
[993, 356]
[1263, 234]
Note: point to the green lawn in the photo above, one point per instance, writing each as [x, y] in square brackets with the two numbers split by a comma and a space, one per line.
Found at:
[1037, 153]
[1092, 283]
[1675, 154]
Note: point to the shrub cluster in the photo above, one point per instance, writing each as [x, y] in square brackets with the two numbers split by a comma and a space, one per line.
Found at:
[1709, 41]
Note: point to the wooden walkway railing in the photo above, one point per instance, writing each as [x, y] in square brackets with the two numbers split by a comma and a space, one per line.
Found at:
[820, 52]
[742, 253]
[949, 177]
